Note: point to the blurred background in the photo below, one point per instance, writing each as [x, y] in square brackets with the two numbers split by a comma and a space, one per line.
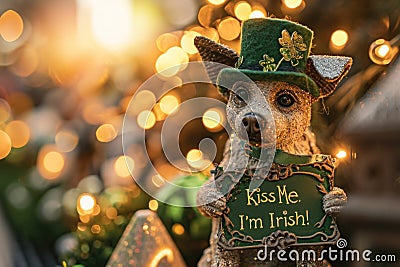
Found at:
[68, 71]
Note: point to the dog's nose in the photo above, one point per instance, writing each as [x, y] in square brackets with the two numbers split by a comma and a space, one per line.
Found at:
[251, 124]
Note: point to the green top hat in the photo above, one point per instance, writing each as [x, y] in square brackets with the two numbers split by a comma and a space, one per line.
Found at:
[276, 50]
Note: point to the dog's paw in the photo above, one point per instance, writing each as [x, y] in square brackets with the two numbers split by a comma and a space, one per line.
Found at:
[216, 207]
[334, 201]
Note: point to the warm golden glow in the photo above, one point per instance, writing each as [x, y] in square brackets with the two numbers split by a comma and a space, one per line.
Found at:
[5, 110]
[292, 3]
[166, 252]
[106, 133]
[27, 62]
[382, 50]
[85, 203]
[66, 140]
[242, 10]
[5, 144]
[216, 2]
[166, 41]
[95, 229]
[196, 160]
[257, 14]
[178, 229]
[194, 155]
[11, 25]
[339, 38]
[53, 161]
[123, 166]
[146, 119]
[19, 133]
[153, 205]
[50, 162]
[187, 42]
[111, 213]
[341, 154]
[169, 104]
[229, 29]
[172, 61]
[112, 23]
[212, 119]
[143, 100]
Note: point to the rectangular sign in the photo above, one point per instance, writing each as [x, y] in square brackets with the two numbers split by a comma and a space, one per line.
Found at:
[285, 210]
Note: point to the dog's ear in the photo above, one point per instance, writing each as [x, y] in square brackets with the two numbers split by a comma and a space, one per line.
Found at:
[327, 71]
[210, 52]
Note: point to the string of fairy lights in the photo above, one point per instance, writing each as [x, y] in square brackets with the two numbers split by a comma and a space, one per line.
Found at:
[69, 67]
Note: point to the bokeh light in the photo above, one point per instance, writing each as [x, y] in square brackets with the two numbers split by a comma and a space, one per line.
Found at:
[106, 133]
[66, 140]
[5, 144]
[212, 119]
[123, 166]
[381, 52]
[19, 133]
[255, 14]
[292, 3]
[153, 205]
[187, 42]
[85, 203]
[172, 61]
[341, 154]
[169, 104]
[195, 159]
[27, 62]
[242, 10]
[143, 100]
[217, 2]
[146, 119]
[50, 162]
[11, 25]
[166, 41]
[5, 110]
[229, 28]
[339, 38]
[178, 229]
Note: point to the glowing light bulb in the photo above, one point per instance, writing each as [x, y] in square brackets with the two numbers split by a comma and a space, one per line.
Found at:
[341, 154]
[146, 119]
[292, 3]
[381, 52]
[86, 203]
[339, 38]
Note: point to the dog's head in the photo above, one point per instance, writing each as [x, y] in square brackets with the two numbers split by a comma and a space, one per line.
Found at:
[274, 82]
[267, 112]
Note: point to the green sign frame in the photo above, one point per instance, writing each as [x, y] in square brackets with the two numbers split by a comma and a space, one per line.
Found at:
[285, 210]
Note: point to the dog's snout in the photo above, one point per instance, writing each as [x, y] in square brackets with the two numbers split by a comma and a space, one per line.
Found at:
[251, 124]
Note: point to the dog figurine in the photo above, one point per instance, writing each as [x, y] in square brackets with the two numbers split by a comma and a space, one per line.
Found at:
[275, 58]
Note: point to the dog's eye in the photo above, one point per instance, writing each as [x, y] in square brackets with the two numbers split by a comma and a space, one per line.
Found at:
[285, 100]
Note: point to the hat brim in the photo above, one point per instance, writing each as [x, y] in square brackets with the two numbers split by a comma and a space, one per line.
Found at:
[229, 76]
